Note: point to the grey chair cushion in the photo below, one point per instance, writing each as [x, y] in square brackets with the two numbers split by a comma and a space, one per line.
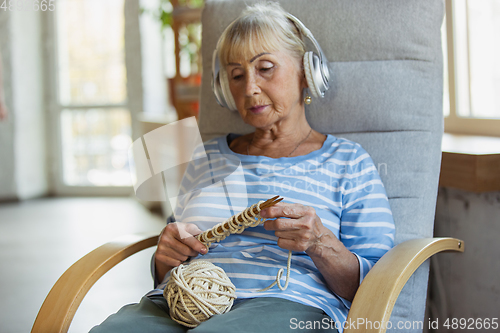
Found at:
[386, 64]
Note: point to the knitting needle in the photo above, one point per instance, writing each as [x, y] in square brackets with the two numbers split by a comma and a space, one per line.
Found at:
[268, 203]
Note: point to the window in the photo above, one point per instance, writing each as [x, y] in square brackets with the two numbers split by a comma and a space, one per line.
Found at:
[473, 49]
[89, 97]
[95, 140]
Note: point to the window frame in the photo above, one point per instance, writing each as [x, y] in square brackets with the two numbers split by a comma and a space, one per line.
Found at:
[453, 123]
[133, 103]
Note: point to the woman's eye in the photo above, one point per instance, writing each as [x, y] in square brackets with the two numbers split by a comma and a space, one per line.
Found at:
[237, 77]
[266, 69]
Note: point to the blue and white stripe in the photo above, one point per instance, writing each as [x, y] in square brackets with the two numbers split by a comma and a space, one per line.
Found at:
[340, 181]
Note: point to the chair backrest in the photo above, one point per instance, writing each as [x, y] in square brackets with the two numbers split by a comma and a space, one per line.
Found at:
[386, 67]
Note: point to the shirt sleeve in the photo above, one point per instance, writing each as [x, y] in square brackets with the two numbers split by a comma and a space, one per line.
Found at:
[366, 224]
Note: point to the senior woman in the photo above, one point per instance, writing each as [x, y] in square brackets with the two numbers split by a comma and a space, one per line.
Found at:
[335, 217]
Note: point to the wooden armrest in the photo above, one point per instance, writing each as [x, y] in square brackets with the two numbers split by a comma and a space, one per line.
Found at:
[380, 288]
[63, 300]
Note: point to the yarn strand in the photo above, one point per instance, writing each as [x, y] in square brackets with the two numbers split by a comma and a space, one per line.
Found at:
[280, 274]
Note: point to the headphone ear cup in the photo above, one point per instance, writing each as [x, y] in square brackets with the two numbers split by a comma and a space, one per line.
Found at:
[218, 91]
[310, 70]
[226, 92]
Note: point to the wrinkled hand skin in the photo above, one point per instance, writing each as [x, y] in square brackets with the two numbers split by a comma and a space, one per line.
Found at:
[299, 228]
[175, 245]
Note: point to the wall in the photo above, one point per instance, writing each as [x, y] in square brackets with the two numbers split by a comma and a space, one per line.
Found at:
[22, 138]
[7, 181]
[466, 285]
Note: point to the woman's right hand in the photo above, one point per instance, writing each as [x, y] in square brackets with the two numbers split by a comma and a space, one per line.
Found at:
[175, 245]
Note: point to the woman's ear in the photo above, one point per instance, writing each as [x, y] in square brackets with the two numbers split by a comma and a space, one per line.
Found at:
[302, 75]
[303, 80]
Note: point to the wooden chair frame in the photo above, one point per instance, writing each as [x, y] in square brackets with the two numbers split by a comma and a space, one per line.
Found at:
[380, 288]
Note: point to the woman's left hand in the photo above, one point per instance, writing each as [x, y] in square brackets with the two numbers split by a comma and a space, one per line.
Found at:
[300, 229]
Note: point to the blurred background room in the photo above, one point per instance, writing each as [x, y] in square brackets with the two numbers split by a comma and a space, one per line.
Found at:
[81, 80]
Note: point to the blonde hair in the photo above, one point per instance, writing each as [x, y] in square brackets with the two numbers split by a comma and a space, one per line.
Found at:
[262, 27]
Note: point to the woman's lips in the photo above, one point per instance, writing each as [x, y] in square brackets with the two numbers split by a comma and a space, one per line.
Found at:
[257, 108]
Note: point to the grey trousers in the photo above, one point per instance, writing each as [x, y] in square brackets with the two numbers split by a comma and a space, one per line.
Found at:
[256, 315]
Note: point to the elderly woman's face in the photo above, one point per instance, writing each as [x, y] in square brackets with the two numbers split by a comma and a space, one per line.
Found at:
[267, 88]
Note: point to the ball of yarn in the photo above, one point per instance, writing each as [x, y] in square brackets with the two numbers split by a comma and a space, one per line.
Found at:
[197, 291]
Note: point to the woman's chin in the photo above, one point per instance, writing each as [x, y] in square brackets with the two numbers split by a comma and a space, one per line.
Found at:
[258, 120]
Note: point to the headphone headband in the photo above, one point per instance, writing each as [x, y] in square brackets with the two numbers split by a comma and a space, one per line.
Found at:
[322, 58]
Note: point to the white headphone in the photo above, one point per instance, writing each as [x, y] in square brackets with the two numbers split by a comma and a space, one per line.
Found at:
[315, 68]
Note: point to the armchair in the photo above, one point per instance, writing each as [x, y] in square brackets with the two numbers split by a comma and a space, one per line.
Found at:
[386, 63]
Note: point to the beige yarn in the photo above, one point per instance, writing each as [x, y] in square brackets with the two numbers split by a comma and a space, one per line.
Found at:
[197, 291]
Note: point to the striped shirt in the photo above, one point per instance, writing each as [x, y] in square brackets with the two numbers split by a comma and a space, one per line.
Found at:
[340, 181]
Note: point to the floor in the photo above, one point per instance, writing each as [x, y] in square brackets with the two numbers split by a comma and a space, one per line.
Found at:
[40, 239]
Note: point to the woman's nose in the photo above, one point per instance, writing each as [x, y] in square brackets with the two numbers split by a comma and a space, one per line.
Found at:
[252, 87]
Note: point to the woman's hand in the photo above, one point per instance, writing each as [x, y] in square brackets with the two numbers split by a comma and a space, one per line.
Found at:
[175, 245]
[302, 230]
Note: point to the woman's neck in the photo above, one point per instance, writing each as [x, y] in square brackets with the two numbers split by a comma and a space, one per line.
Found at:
[281, 139]
[272, 139]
